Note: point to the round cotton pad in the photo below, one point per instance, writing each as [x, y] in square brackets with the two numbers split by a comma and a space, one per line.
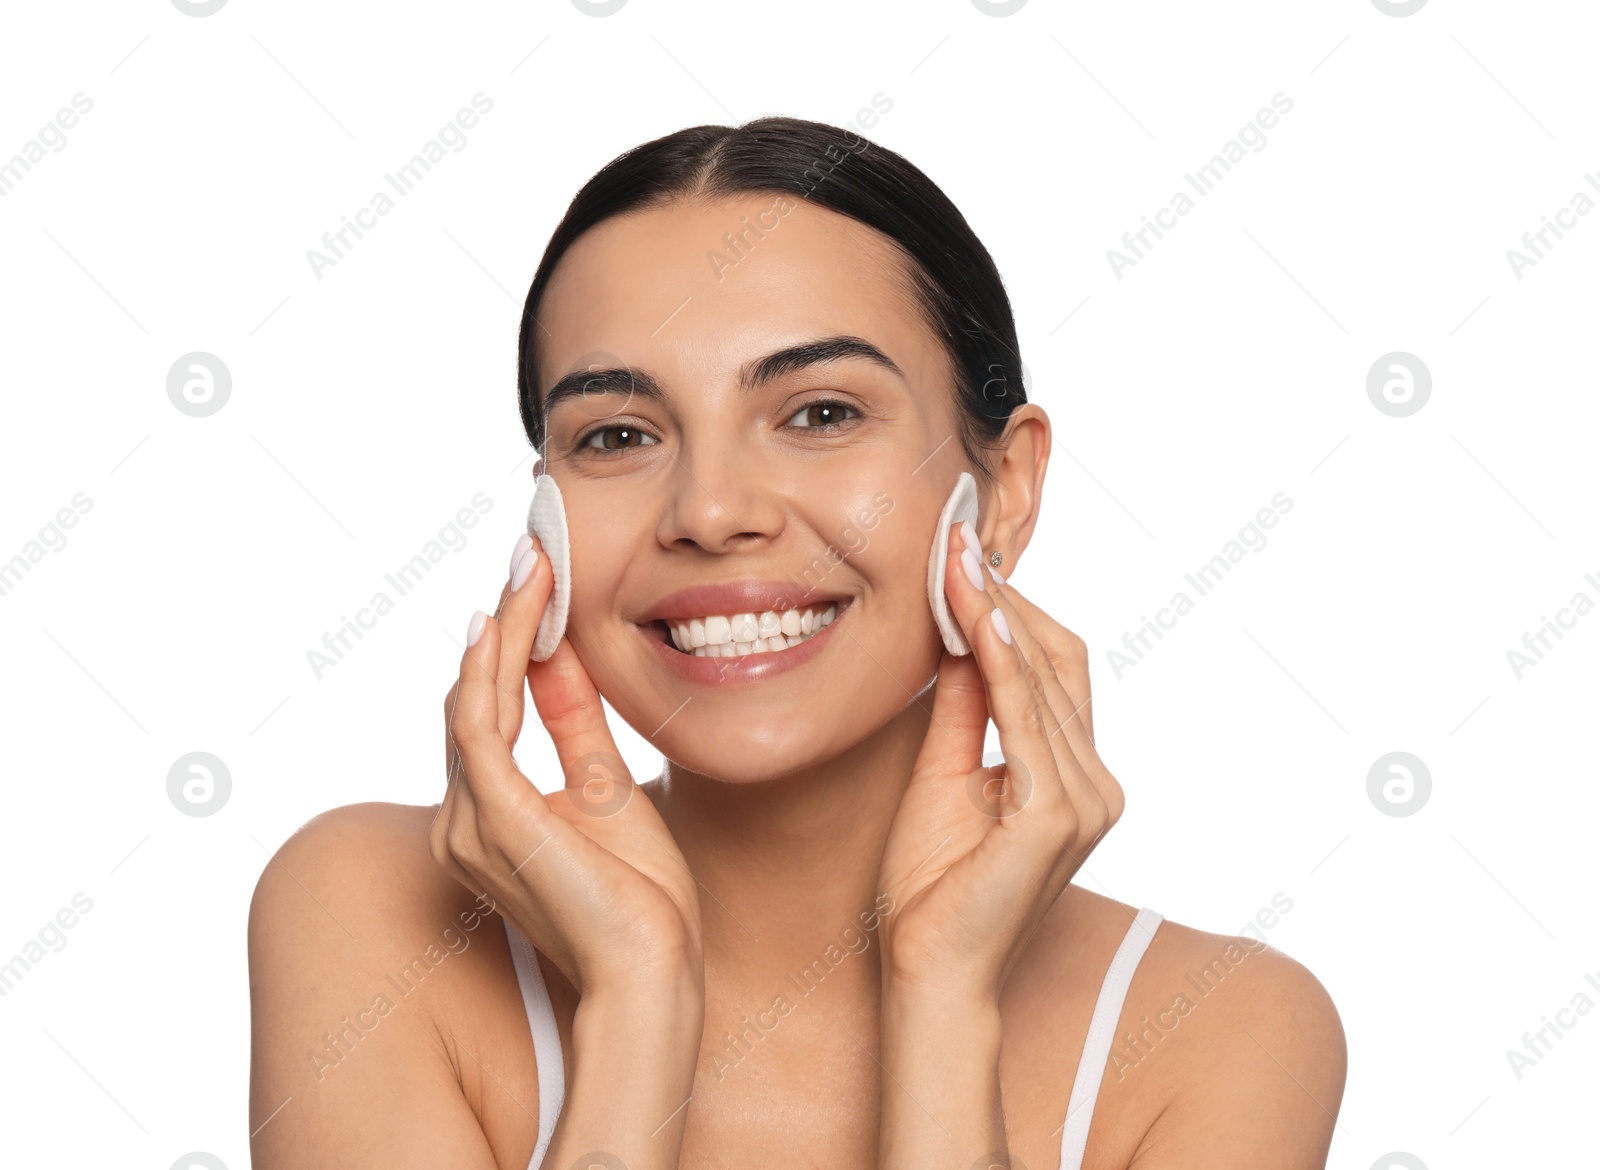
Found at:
[547, 519]
[962, 505]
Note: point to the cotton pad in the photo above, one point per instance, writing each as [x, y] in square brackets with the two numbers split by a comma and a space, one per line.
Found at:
[962, 505]
[547, 519]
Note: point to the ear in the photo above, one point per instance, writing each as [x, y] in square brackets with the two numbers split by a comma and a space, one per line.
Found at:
[1011, 508]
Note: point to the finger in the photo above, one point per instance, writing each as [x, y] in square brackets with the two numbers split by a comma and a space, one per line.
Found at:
[958, 721]
[457, 800]
[1068, 658]
[455, 809]
[1022, 625]
[569, 707]
[522, 607]
[1068, 654]
[488, 776]
[1066, 733]
[1015, 693]
[1059, 707]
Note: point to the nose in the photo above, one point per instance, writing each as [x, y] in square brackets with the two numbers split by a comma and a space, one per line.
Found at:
[720, 501]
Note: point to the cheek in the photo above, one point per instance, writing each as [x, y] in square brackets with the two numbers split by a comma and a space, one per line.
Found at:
[891, 537]
[893, 562]
[597, 561]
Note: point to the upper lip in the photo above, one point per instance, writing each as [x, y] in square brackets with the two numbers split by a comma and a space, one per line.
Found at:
[730, 597]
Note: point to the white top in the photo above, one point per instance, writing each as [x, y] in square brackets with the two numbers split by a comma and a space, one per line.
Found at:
[1085, 1084]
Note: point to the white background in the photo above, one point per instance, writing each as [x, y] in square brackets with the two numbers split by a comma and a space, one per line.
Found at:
[1227, 365]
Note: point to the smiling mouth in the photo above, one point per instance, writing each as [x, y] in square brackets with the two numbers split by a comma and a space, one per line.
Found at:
[739, 634]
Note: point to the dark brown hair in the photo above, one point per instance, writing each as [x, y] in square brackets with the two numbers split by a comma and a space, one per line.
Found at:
[956, 281]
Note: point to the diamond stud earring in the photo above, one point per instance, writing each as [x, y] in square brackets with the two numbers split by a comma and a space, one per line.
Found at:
[995, 558]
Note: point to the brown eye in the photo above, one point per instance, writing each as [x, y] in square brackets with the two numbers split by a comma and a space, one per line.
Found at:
[824, 414]
[615, 439]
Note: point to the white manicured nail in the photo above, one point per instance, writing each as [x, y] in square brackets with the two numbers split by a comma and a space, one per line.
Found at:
[969, 535]
[524, 543]
[524, 567]
[475, 626]
[1001, 627]
[995, 573]
[970, 564]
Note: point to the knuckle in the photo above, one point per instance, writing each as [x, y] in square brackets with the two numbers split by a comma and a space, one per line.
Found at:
[1116, 803]
[461, 840]
[509, 691]
[438, 845]
[1065, 824]
[1038, 709]
[1095, 818]
[1077, 649]
[1034, 720]
[461, 727]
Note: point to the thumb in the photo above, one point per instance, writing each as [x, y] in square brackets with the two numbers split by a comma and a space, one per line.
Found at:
[954, 743]
[569, 706]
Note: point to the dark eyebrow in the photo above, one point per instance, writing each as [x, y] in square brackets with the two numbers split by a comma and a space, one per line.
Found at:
[812, 353]
[752, 375]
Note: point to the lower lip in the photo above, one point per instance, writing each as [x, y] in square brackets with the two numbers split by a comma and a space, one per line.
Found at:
[749, 669]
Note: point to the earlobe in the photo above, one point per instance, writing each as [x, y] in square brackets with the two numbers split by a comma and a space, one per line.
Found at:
[962, 505]
[547, 519]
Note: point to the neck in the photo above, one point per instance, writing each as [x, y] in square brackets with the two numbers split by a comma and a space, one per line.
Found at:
[788, 866]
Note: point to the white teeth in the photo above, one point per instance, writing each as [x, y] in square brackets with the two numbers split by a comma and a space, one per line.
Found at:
[736, 635]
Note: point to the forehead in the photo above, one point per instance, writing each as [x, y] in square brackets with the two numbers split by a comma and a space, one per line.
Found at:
[694, 288]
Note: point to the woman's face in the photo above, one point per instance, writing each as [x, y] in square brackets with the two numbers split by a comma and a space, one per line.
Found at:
[719, 481]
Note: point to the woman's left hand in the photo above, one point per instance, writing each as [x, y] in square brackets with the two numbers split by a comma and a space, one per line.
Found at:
[977, 855]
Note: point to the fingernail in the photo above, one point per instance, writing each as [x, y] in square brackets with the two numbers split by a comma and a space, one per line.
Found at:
[970, 564]
[969, 534]
[1000, 625]
[995, 573]
[524, 567]
[524, 543]
[475, 626]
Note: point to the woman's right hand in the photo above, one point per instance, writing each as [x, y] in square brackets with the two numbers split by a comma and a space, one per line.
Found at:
[589, 874]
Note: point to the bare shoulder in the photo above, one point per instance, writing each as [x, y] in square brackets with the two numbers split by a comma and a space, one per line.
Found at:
[378, 987]
[1228, 1052]
[357, 878]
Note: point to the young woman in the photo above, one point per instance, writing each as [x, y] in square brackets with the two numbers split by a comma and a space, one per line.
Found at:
[755, 361]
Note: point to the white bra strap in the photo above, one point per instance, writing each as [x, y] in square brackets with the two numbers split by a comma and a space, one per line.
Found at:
[1102, 1031]
[546, 1039]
